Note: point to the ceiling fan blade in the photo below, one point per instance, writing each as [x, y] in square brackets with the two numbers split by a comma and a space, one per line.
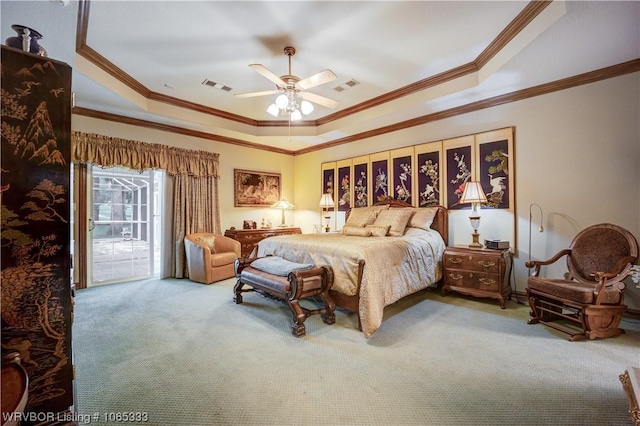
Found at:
[317, 79]
[320, 100]
[261, 69]
[253, 94]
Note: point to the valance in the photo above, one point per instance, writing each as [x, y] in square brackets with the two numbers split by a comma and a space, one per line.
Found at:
[108, 151]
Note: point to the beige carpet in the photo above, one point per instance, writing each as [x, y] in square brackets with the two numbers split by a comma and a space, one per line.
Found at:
[185, 354]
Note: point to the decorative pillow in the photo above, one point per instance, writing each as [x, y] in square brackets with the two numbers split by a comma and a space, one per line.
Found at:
[278, 266]
[207, 241]
[378, 230]
[397, 218]
[365, 215]
[358, 231]
[423, 218]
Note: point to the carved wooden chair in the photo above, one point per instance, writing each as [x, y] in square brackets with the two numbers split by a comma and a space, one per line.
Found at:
[588, 303]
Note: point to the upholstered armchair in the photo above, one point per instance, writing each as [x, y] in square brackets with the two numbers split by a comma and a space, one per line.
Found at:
[588, 302]
[210, 257]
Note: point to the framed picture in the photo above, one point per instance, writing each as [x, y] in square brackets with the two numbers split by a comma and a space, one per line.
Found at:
[255, 189]
[495, 167]
[344, 185]
[401, 177]
[328, 181]
[361, 181]
[459, 163]
[429, 170]
[380, 176]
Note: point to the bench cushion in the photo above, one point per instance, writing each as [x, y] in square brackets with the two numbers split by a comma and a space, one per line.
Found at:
[278, 266]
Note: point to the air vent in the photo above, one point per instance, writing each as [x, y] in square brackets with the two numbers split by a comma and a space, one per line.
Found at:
[215, 85]
[346, 86]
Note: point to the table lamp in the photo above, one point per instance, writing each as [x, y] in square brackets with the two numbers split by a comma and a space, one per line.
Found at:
[474, 195]
[283, 205]
[326, 202]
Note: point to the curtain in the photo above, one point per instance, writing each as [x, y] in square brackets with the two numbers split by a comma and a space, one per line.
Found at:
[192, 174]
[107, 152]
[192, 211]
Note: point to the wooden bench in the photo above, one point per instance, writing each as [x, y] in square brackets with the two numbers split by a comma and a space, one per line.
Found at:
[289, 282]
[631, 383]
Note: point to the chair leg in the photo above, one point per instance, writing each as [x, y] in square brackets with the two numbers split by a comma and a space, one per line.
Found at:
[603, 321]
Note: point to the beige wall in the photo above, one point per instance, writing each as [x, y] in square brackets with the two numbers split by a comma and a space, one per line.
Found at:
[577, 156]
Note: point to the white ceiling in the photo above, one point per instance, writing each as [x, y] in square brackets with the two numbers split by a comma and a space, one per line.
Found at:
[385, 46]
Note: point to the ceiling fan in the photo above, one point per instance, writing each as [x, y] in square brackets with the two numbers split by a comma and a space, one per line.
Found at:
[293, 89]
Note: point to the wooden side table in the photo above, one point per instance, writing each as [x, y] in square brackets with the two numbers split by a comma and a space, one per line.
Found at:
[249, 238]
[478, 272]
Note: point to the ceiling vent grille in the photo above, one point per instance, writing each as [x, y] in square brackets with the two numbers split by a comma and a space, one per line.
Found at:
[346, 86]
[215, 85]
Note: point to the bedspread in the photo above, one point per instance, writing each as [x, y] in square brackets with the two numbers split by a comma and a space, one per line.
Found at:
[394, 266]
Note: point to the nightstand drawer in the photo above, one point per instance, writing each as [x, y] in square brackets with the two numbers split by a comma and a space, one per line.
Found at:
[478, 280]
[473, 262]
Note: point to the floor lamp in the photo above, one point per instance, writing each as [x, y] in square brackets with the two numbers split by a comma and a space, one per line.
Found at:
[326, 203]
[540, 228]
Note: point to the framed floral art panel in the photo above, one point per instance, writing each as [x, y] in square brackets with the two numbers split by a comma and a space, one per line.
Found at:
[429, 173]
[402, 174]
[344, 185]
[459, 162]
[360, 181]
[379, 176]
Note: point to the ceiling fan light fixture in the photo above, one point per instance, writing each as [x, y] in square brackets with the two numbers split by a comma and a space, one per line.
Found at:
[295, 115]
[273, 110]
[282, 101]
[306, 106]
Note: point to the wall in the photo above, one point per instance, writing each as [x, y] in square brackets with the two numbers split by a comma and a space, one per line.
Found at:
[231, 157]
[577, 156]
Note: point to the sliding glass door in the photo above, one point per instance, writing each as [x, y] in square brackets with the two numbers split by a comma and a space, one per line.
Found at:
[124, 224]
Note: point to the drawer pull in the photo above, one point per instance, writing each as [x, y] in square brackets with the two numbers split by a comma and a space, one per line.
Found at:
[487, 281]
[486, 264]
[455, 260]
[455, 276]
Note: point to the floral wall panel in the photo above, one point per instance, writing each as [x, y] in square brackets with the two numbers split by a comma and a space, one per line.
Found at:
[360, 181]
[35, 190]
[344, 185]
[328, 180]
[459, 156]
[402, 176]
[379, 176]
[429, 170]
[495, 168]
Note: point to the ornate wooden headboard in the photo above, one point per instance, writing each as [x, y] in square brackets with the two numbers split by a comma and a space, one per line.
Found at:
[440, 221]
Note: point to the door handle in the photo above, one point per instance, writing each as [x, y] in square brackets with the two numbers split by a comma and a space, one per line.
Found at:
[92, 225]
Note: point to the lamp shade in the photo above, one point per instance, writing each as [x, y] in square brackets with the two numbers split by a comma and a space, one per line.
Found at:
[326, 201]
[473, 193]
[283, 204]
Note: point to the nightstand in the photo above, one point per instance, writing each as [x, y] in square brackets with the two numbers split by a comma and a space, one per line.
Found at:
[477, 272]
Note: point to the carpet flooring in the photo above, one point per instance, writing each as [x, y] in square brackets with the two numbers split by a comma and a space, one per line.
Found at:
[175, 352]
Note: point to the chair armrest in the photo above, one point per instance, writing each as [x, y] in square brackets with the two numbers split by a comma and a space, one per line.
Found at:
[538, 263]
[617, 269]
[198, 260]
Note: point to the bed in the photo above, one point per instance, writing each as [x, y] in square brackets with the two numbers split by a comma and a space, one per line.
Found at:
[373, 271]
